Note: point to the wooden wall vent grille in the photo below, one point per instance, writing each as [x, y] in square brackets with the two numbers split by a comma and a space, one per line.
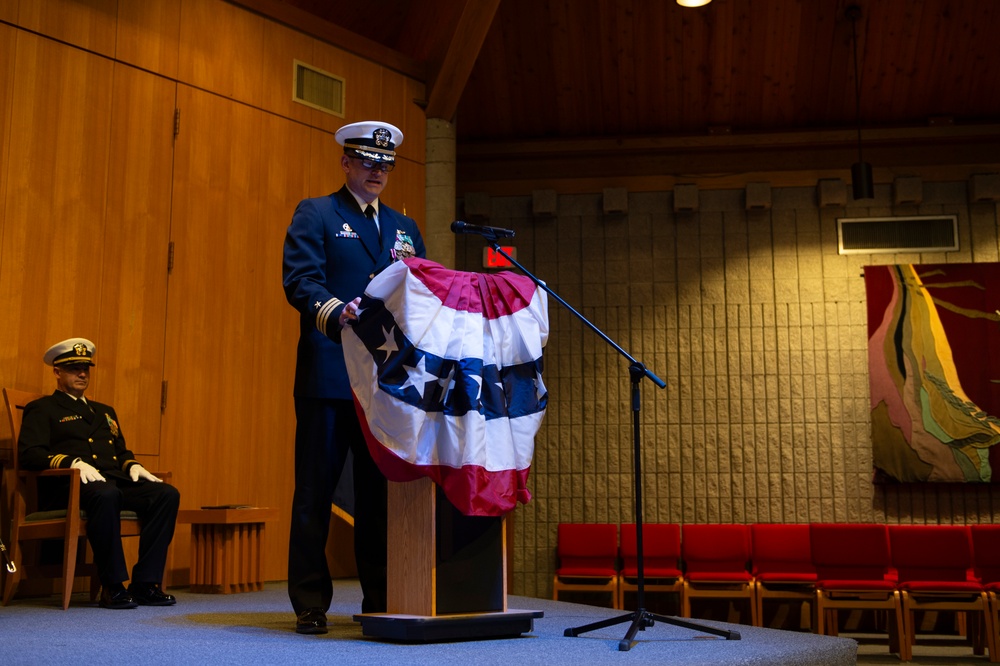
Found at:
[318, 89]
[875, 235]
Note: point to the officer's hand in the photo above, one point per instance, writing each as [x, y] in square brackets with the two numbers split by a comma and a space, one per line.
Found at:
[88, 472]
[139, 472]
[349, 314]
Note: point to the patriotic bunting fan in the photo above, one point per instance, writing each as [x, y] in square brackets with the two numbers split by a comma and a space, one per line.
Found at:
[446, 368]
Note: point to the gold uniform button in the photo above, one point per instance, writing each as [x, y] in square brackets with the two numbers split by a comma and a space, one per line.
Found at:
[95, 456]
[371, 276]
[115, 458]
[90, 440]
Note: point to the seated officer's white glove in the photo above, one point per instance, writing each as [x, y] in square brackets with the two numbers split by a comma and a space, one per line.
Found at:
[88, 472]
[139, 472]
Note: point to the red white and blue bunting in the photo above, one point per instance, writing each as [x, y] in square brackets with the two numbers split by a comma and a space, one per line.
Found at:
[446, 368]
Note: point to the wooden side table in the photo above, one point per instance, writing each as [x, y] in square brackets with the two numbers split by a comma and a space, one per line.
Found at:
[226, 548]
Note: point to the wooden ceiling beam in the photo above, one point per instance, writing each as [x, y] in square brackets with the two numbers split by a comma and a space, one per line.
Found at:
[507, 167]
[321, 29]
[448, 82]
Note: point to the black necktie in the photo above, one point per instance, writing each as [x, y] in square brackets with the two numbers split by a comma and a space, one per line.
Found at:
[370, 214]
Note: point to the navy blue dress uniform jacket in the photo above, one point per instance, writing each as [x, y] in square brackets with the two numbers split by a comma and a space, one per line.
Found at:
[56, 430]
[332, 251]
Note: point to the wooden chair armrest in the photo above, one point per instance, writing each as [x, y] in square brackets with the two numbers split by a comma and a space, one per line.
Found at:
[27, 474]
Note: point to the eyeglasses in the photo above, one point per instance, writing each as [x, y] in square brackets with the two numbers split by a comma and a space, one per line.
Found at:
[375, 166]
[74, 368]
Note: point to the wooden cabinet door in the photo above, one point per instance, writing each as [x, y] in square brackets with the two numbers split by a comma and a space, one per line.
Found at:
[231, 336]
[86, 213]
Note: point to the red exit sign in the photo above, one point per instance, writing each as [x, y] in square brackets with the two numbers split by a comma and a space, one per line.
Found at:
[493, 259]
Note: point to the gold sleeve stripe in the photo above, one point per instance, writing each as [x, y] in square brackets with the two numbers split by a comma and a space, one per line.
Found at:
[55, 462]
[324, 314]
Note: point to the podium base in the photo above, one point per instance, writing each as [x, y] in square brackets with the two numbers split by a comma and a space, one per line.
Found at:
[436, 628]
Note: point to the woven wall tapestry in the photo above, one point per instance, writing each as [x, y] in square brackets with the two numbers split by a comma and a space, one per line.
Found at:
[934, 371]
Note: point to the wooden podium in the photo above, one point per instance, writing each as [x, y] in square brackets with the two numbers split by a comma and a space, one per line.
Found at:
[447, 572]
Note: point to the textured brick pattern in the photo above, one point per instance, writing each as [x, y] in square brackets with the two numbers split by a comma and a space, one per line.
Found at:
[758, 327]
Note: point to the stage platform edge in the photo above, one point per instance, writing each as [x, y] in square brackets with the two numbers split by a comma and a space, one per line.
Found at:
[439, 628]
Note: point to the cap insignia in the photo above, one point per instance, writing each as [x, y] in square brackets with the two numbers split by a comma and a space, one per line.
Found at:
[382, 137]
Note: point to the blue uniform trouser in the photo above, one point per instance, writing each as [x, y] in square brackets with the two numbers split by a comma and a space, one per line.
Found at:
[325, 431]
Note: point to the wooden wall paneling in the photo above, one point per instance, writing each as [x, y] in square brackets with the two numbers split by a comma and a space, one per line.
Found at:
[53, 245]
[283, 46]
[8, 10]
[268, 478]
[362, 86]
[8, 41]
[406, 189]
[221, 49]
[137, 233]
[148, 35]
[398, 99]
[212, 333]
[89, 25]
[325, 173]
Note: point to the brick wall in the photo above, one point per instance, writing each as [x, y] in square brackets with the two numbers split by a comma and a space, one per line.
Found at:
[758, 327]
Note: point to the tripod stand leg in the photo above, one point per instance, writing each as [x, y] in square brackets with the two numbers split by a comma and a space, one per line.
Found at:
[576, 631]
[729, 635]
[639, 623]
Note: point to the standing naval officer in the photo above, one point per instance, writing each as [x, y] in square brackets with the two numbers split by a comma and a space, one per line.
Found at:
[335, 245]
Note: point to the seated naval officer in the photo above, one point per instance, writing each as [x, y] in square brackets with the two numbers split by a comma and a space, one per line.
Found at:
[66, 429]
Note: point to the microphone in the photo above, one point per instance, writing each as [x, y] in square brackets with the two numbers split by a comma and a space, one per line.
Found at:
[460, 227]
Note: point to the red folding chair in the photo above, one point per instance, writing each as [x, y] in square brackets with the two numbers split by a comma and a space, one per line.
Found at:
[782, 567]
[661, 545]
[716, 565]
[934, 573]
[853, 571]
[986, 564]
[587, 559]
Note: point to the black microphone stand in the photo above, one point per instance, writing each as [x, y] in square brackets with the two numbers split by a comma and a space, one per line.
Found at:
[640, 618]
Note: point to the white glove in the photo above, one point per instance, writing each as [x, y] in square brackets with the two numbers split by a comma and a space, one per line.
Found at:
[88, 472]
[137, 472]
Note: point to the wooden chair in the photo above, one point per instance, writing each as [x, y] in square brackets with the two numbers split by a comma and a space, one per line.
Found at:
[587, 559]
[661, 543]
[782, 567]
[934, 573]
[716, 565]
[853, 571]
[986, 565]
[29, 524]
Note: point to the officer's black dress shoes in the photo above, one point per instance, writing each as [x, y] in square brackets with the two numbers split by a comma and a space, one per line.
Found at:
[150, 594]
[311, 621]
[117, 599]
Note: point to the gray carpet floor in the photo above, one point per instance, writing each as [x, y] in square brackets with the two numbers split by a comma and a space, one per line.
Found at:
[258, 628]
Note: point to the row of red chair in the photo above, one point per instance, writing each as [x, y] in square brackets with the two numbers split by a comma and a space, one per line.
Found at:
[894, 570]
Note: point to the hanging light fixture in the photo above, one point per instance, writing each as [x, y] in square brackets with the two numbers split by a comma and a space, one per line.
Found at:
[693, 3]
[862, 181]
